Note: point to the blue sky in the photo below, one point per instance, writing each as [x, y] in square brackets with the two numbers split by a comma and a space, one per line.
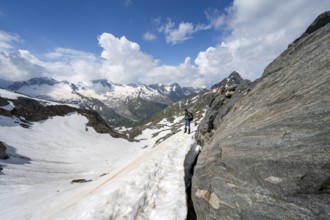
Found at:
[192, 42]
[77, 23]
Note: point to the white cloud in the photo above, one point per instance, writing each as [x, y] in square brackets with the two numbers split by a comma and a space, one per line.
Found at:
[185, 74]
[125, 62]
[123, 59]
[72, 65]
[68, 54]
[6, 40]
[15, 65]
[259, 31]
[216, 18]
[177, 34]
[62, 64]
[214, 60]
[148, 36]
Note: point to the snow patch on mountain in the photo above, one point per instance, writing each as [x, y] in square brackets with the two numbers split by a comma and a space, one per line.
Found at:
[119, 104]
[8, 107]
[99, 89]
[120, 179]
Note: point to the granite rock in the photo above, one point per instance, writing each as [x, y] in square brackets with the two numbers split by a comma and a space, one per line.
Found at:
[266, 153]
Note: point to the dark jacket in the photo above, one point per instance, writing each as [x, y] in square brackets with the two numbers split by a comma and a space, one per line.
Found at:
[188, 116]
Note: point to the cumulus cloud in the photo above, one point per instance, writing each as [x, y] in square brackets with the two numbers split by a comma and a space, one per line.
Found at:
[123, 61]
[210, 60]
[185, 74]
[259, 31]
[256, 32]
[19, 64]
[72, 65]
[61, 64]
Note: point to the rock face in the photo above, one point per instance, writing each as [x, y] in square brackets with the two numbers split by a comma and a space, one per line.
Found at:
[233, 78]
[266, 154]
[221, 103]
[2, 151]
[30, 110]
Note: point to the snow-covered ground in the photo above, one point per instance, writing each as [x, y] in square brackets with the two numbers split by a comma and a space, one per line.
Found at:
[125, 180]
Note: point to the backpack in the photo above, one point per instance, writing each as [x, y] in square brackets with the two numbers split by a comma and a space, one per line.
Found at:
[191, 116]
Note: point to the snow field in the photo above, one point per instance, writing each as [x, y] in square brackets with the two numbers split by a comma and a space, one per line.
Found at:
[127, 182]
[10, 95]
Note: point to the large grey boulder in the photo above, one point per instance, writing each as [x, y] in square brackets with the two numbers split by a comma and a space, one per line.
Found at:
[268, 155]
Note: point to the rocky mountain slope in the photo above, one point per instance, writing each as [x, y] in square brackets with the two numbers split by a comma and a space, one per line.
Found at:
[265, 148]
[195, 103]
[25, 110]
[119, 104]
[233, 78]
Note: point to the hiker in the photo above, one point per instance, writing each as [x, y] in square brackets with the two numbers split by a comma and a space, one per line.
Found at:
[188, 117]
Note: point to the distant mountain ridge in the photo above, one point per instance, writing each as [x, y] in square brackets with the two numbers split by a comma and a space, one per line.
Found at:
[119, 104]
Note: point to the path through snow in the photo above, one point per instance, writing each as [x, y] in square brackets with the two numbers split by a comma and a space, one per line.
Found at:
[127, 182]
[150, 187]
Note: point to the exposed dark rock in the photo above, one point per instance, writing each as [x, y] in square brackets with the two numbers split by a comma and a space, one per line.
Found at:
[221, 103]
[97, 122]
[80, 181]
[266, 149]
[33, 110]
[189, 164]
[322, 20]
[103, 174]
[233, 79]
[13, 157]
[3, 102]
[34, 81]
[30, 110]
[105, 83]
[5, 112]
[3, 149]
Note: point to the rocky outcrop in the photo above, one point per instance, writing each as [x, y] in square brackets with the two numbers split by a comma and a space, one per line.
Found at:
[322, 20]
[233, 79]
[30, 110]
[266, 154]
[2, 151]
[221, 103]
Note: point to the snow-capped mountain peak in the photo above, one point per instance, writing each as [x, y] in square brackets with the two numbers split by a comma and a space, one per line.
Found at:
[135, 101]
[233, 78]
[105, 83]
[34, 81]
